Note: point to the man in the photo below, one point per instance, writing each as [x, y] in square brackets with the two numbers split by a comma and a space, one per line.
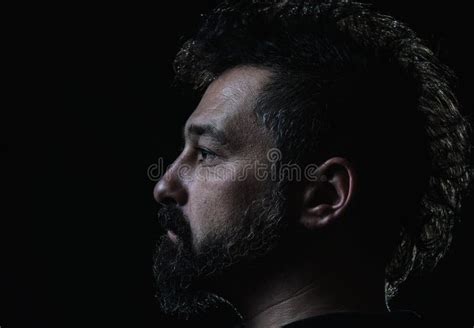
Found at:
[323, 165]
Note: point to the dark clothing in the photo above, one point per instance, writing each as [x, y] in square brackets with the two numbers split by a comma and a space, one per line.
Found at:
[356, 319]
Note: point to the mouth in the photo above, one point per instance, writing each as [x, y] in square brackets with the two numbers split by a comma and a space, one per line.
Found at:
[172, 236]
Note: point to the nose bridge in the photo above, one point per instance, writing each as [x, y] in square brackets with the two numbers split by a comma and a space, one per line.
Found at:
[170, 188]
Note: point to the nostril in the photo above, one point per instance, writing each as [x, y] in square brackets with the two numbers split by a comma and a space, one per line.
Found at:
[167, 201]
[170, 190]
[166, 193]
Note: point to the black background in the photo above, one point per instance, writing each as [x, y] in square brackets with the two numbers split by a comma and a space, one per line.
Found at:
[94, 110]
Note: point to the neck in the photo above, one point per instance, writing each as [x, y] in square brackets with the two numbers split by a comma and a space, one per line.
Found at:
[286, 291]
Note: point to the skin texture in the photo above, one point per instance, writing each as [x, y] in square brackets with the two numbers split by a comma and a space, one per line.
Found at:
[319, 267]
[226, 105]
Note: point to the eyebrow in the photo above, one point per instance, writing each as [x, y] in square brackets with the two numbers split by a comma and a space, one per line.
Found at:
[207, 130]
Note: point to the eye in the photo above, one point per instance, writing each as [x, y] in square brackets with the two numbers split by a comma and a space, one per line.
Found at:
[205, 154]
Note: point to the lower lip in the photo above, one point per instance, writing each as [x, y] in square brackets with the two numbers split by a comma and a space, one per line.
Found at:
[172, 236]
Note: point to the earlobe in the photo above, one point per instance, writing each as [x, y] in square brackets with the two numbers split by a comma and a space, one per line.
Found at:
[325, 200]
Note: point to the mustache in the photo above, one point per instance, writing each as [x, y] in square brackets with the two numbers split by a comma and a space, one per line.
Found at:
[170, 217]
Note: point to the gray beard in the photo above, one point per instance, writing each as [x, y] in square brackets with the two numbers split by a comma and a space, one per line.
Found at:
[179, 270]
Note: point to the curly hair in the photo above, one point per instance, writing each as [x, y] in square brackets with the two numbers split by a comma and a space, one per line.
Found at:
[346, 80]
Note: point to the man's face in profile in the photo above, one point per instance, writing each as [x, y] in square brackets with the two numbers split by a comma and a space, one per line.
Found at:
[217, 214]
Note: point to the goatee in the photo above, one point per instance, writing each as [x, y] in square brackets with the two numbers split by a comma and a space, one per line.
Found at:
[180, 271]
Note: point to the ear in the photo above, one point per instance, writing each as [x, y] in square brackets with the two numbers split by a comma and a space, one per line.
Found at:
[326, 198]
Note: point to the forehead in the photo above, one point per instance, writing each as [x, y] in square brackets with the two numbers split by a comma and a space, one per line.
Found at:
[228, 101]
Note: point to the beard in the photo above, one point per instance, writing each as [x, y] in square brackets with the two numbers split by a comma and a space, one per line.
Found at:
[181, 272]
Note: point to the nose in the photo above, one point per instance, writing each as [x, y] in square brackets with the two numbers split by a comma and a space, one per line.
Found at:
[170, 189]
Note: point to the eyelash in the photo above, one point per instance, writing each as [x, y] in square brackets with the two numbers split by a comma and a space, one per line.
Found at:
[204, 154]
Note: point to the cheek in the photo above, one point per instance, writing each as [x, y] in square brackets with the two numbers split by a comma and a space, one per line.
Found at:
[216, 205]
